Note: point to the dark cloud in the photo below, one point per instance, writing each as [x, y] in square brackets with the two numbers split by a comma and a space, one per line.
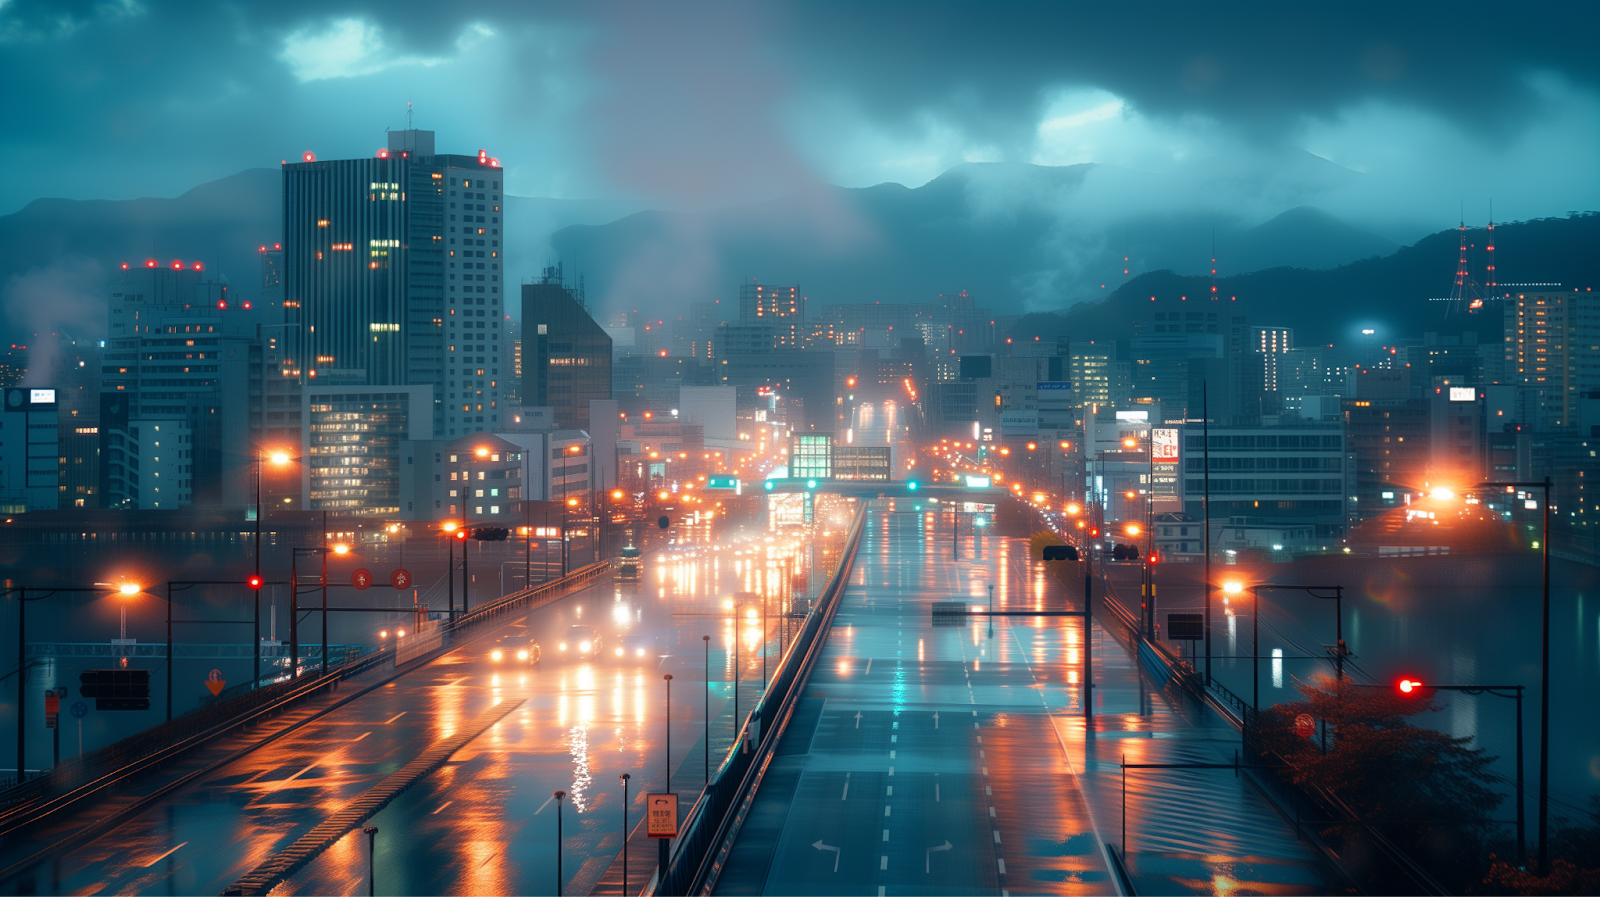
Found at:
[1257, 66]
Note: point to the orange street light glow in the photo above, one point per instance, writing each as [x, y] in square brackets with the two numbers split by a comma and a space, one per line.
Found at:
[1232, 587]
[1133, 529]
[129, 588]
[341, 548]
[279, 457]
[483, 452]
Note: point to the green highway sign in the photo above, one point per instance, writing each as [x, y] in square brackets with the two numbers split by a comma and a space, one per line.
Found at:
[723, 483]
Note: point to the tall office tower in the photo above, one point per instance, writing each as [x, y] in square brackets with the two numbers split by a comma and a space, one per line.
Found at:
[566, 356]
[1549, 340]
[392, 275]
[1271, 343]
[781, 307]
[173, 424]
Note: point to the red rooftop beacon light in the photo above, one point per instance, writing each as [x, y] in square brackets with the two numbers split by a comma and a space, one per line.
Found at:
[383, 153]
[177, 265]
[308, 156]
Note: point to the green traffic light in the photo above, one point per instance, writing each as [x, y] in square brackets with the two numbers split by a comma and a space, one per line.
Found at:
[811, 484]
[912, 486]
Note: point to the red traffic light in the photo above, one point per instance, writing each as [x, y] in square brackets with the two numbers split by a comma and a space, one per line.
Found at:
[1409, 686]
[461, 535]
[255, 582]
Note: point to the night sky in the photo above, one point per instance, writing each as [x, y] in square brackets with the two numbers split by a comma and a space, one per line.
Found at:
[700, 105]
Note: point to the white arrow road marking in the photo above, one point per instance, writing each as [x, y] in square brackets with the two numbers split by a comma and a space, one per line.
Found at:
[936, 719]
[928, 857]
[821, 846]
[858, 719]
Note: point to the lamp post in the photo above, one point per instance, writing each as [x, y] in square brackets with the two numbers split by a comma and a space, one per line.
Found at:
[625, 777]
[707, 640]
[371, 832]
[294, 603]
[22, 659]
[279, 458]
[1339, 651]
[1411, 686]
[668, 678]
[1544, 674]
[558, 795]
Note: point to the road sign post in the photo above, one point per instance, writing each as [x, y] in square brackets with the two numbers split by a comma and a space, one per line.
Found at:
[661, 822]
[215, 682]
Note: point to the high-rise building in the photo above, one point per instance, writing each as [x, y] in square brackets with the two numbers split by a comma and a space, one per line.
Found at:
[176, 371]
[566, 355]
[29, 446]
[393, 275]
[1271, 343]
[781, 307]
[1550, 346]
[352, 442]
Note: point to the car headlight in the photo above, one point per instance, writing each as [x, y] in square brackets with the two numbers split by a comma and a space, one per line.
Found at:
[563, 646]
[639, 653]
[584, 646]
[495, 654]
[522, 655]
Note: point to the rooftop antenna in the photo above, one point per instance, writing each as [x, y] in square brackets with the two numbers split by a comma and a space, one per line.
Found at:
[1490, 281]
[408, 113]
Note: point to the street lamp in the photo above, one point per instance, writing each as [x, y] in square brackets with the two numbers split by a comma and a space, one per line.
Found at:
[294, 602]
[1544, 674]
[279, 458]
[1235, 587]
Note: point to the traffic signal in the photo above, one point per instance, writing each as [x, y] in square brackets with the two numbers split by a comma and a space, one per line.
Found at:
[771, 485]
[1409, 687]
[461, 535]
[254, 582]
[911, 485]
[116, 689]
[1059, 553]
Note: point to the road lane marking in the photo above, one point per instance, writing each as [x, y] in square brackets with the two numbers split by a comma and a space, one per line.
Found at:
[885, 834]
[886, 810]
[991, 812]
[891, 791]
[1002, 865]
[891, 755]
[936, 792]
[395, 717]
[869, 667]
[441, 808]
[846, 787]
[936, 719]
[301, 773]
[883, 862]
[821, 846]
[359, 737]
[986, 770]
[891, 771]
[894, 739]
[458, 681]
[165, 855]
[996, 836]
[980, 737]
[928, 856]
[858, 719]
[543, 805]
[881, 889]
[988, 791]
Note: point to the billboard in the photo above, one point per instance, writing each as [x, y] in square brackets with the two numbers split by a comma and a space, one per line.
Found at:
[1166, 445]
[1463, 394]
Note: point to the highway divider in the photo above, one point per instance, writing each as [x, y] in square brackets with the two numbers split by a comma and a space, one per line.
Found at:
[709, 830]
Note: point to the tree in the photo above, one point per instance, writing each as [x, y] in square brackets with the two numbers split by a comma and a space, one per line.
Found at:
[1427, 791]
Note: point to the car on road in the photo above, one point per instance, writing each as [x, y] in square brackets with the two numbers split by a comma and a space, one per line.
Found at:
[581, 641]
[634, 646]
[514, 649]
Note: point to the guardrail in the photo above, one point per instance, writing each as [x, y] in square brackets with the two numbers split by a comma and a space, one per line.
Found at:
[713, 822]
[80, 778]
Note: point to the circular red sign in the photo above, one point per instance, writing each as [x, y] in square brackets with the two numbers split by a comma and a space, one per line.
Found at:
[1305, 726]
[361, 578]
[400, 579]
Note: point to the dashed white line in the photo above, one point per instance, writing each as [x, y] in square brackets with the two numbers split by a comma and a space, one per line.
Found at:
[991, 812]
[885, 834]
[883, 862]
[936, 792]
[891, 755]
[846, 792]
[886, 810]
[441, 807]
[395, 717]
[996, 836]
[359, 737]
[1002, 865]
[301, 772]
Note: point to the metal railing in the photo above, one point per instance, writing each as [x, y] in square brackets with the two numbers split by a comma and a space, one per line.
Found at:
[80, 777]
[712, 824]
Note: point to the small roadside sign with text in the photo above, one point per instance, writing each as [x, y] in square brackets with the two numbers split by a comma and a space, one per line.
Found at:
[215, 682]
[662, 815]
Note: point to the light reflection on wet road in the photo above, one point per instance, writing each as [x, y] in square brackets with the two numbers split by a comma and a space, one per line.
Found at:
[1005, 790]
[483, 823]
